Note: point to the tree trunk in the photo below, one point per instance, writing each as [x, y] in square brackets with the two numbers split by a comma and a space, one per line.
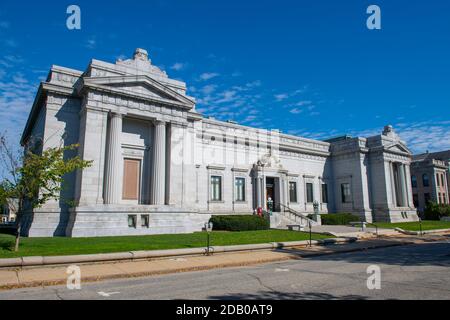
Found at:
[19, 225]
[17, 243]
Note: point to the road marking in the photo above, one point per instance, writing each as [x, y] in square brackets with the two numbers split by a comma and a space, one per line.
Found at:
[281, 270]
[107, 294]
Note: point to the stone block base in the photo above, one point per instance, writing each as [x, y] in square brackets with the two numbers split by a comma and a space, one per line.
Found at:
[45, 222]
[396, 215]
[103, 221]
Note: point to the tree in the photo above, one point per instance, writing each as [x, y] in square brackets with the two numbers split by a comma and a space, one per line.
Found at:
[34, 178]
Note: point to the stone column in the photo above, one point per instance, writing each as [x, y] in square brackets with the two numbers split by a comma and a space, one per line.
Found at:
[158, 178]
[447, 195]
[393, 184]
[258, 192]
[409, 186]
[113, 161]
[403, 189]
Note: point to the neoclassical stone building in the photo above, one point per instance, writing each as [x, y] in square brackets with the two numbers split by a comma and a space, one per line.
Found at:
[159, 166]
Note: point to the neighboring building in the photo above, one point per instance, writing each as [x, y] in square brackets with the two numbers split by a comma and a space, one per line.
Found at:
[8, 212]
[430, 178]
[159, 166]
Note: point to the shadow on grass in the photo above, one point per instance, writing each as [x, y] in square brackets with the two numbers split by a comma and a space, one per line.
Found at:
[277, 295]
[6, 245]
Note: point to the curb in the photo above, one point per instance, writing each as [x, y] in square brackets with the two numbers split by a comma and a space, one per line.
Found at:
[55, 282]
[133, 255]
[418, 233]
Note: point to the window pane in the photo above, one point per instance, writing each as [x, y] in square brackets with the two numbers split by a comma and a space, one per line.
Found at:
[216, 188]
[345, 193]
[324, 193]
[293, 192]
[240, 189]
[132, 221]
[426, 182]
[309, 193]
[414, 181]
[145, 221]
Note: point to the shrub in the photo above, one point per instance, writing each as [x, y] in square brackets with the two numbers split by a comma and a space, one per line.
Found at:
[339, 219]
[435, 211]
[239, 223]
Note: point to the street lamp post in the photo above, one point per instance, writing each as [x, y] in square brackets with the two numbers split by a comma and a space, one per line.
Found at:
[208, 229]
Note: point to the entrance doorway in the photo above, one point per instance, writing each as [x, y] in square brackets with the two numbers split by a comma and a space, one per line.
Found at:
[272, 192]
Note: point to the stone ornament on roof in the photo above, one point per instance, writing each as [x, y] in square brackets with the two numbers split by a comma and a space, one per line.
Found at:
[389, 131]
[141, 62]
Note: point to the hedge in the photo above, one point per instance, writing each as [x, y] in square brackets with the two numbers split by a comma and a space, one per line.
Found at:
[239, 223]
[338, 219]
[435, 211]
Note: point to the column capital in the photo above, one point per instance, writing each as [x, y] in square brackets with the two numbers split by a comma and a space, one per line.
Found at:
[115, 114]
[158, 122]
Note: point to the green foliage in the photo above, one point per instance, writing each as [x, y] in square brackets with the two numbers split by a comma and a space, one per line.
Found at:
[435, 211]
[37, 178]
[339, 219]
[239, 223]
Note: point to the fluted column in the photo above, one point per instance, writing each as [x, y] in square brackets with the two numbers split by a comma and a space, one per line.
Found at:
[258, 192]
[113, 161]
[403, 188]
[158, 178]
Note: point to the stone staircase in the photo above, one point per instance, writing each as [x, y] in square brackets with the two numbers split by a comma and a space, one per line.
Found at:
[289, 217]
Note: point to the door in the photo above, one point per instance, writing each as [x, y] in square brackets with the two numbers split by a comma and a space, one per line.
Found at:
[270, 191]
[131, 179]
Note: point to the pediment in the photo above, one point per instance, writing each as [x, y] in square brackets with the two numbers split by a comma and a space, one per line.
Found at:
[141, 86]
[398, 148]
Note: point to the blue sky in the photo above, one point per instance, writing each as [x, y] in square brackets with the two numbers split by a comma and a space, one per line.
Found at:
[309, 68]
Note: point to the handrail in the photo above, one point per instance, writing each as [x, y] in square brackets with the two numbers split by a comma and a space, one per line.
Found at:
[297, 214]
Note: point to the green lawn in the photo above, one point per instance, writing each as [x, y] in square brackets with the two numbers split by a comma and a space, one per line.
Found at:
[73, 246]
[414, 226]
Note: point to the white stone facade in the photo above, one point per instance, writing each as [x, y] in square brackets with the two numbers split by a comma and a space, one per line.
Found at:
[161, 167]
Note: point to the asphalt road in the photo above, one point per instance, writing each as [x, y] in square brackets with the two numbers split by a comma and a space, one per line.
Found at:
[407, 272]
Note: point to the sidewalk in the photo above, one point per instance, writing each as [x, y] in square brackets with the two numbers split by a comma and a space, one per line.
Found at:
[47, 276]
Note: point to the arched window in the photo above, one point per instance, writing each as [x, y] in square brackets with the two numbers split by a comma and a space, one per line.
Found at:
[425, 180]
[414, 181]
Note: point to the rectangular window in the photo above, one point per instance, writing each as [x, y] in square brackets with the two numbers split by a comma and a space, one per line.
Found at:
[324, 193]
[132, 221]
[239, 189]
[216, 188]
[442, 180]
[346, 193]
[293, 192]
[145, 221]
[309, 193]
[438, 181]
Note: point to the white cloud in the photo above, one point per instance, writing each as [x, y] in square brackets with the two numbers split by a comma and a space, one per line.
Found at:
[178, 66]
[208, 75]
[16, 99]
[296, 111]
[91, 43]
[303, 103]
[281, 96]
[208, 89]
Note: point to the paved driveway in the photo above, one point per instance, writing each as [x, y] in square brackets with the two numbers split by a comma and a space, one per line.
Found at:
[407, 272]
